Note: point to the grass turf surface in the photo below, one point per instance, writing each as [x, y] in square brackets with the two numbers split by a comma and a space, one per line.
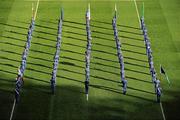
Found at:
[105, 98]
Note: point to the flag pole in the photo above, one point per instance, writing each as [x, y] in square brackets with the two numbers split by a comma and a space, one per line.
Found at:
[160, 73]
[143, 11]
[167, 78]
[87, 97]
[32, 10]
[115, 8]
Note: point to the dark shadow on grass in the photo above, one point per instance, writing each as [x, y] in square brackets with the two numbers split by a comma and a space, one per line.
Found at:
[108, 23]
[46, 27]
[25, 77]
[68, 21]
[35, 70]
[70, 44]
[5, 24]
[138, 79]
[42, 52]
[131, 38]
[131, 51]
[66, 31]
[81, 82]
[5, 102]
[125, 31]
[131, 58]
[133, 45]
[70, 26]
[134, 64]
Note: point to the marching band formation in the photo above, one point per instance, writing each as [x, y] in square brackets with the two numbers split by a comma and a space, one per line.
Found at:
[119, 54]
[19, 79]
[87, 53]
[156, 82]
[57, 54]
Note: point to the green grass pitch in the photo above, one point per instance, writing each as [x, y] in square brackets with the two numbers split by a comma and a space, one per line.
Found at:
[106, 101]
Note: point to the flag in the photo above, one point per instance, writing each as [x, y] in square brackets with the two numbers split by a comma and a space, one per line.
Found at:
[115, 8]
[89, 12]
[162, 71]
[62, 14]
[143, 10]
[33, 10]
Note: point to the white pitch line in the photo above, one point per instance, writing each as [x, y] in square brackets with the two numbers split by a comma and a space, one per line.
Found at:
[12, 112]
[36, 9]
[162, 110]
[137, 12]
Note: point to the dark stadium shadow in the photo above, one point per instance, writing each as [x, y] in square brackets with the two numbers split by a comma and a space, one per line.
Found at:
[25, 77]
[171, 107]
[107, 88]
[6, 101]
[66, 104]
